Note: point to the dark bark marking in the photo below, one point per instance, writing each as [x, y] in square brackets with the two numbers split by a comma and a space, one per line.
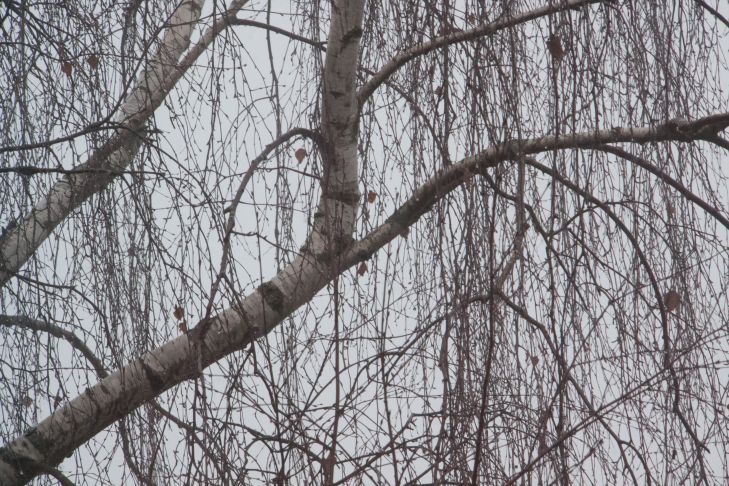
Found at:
[352, 35]
[272, 295]
[347, 197]
[154, 379]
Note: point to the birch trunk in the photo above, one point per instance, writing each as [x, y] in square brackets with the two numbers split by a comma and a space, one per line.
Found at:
[183, 358]
[155, 82]
[329, 248]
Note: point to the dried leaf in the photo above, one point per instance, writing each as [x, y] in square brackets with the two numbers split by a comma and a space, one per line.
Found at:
[27, 401]
[672, 300]
[300, 154]
[67, 68]
[438, 91]
[183, 326]
[179, 313]
[554, 45]
[535, 360]
[93, 61]
[362, 269]
[371, 196]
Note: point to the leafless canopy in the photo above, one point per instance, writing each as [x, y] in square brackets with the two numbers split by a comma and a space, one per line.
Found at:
[364, 242]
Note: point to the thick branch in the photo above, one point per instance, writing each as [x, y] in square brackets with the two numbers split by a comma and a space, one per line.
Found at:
[451, 177]
[155, 82]
[186, 356]
[644, 164]
[713, 12]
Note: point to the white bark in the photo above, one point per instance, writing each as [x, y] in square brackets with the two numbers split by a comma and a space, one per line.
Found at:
[327, 252]
[160, 75]
[186, 356]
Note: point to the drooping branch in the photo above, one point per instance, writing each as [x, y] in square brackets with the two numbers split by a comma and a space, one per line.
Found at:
[25, 322]
[668, 359]
[463, 36]
[232, 209]
[161, 74]
[186, 356]
[451, 177]
[644, 164]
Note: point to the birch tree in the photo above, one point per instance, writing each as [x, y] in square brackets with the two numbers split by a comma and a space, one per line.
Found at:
[358, 242]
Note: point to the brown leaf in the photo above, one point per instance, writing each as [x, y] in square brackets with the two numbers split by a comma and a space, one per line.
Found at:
[300, 154]
[179, 313]
[535, 360]
[93, 61]
[362, 269]
[67, 68]
[183, 326]
[27, 401]
[554, 45]
[672, 300]
[438, 91]
[371, 196]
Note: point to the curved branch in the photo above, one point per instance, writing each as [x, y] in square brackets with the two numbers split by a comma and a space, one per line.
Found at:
[717, 140]
[713, 12]
[451, 177]
[633, 241]
[154, 84]
[462, 36]
[277, 30]
[668, 360]
[644, 164]
[25, 322]
[231, 210]
[99, 126]
[257, 314]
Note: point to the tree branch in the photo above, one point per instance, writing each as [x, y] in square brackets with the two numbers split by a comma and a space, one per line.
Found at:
[713, 12]
[157, 80]
[451, 177]
[644, 164]
[278, 30]
[25, 322]
[186, 356]
[462, 36]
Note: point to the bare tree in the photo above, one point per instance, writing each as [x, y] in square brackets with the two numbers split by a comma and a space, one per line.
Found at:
[351, 242]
